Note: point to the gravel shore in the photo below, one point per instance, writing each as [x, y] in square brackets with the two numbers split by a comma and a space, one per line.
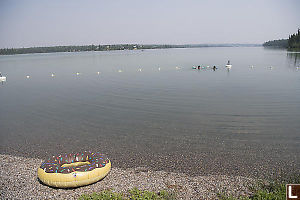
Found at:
[18, 180]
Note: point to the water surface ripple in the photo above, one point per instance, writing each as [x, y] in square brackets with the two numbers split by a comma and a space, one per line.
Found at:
[150, 108]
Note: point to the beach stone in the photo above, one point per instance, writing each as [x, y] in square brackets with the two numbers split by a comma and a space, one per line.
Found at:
[18, 180]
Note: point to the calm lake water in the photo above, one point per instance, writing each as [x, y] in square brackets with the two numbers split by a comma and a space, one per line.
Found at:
[150, 108]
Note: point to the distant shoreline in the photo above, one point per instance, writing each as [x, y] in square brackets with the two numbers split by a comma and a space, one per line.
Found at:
[56, 49]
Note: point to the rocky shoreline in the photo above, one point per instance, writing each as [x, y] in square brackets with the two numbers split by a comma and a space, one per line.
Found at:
[18, 180]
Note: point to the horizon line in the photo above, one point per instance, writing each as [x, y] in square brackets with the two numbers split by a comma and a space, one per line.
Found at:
[159, 44]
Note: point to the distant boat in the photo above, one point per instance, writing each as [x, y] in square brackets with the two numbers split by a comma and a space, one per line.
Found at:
[2, 78]
[228, 66]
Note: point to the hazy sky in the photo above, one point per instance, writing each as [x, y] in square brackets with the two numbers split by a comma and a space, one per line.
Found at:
[71, 22]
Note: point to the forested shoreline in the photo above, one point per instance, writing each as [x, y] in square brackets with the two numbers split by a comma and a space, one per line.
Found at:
[283, 43]
[292, 43]
[11, 51]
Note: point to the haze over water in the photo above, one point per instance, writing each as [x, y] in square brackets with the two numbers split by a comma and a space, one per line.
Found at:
[150, 108]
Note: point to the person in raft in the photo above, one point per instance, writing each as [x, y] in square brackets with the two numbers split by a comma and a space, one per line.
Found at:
[198, 66]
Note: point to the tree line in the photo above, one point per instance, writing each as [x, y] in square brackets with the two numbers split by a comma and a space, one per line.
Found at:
[293, 42]
[11, 51]
[277, 43]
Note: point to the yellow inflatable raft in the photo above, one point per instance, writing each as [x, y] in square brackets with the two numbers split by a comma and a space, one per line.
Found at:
[74, 170]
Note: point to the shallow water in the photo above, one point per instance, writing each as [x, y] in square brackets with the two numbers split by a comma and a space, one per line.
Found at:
[150, 108]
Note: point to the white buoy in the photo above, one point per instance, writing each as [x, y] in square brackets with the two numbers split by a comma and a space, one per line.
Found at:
[77, 73]
[98, 73]
[159, 69]
[52, 75]
[27, 76]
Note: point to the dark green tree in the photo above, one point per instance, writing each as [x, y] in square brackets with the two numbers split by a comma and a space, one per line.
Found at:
[294, 41]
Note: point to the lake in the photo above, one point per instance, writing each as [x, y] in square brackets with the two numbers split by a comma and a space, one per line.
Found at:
[151, 109]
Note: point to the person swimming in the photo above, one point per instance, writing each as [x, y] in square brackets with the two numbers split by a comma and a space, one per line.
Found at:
[214, 68]
[199, 66]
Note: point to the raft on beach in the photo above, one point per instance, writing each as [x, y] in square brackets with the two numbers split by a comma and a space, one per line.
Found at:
[74, 170]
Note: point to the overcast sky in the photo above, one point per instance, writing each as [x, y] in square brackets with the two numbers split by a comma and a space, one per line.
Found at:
[70, 22]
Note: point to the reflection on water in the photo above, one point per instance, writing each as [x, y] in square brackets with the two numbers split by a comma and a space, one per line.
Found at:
[294, 58]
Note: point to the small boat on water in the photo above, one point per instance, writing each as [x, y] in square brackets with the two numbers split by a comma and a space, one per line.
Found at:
[2, 78]
[228, 66]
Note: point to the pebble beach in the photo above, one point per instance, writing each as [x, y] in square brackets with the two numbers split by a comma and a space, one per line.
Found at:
[18, 180]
